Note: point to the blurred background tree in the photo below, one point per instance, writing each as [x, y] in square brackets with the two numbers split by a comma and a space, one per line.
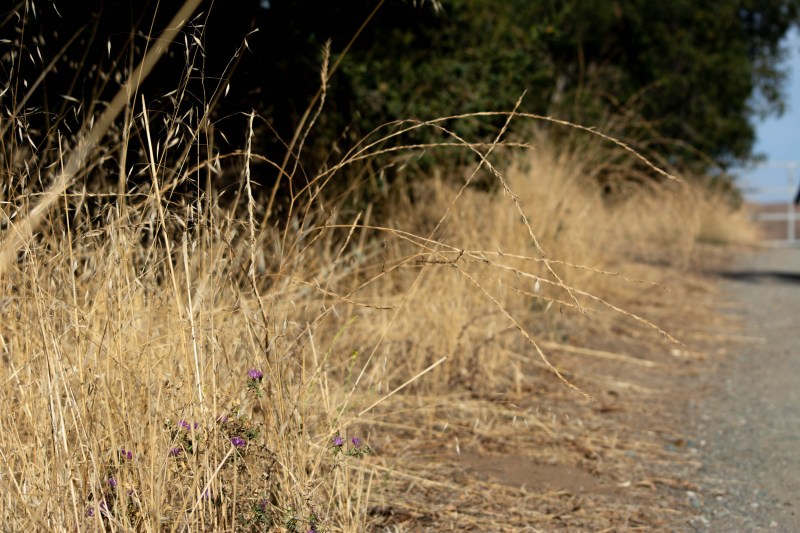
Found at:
[681, 78]
[686, 76]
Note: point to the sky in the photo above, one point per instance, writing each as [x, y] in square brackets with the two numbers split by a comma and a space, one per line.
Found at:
[779, 140]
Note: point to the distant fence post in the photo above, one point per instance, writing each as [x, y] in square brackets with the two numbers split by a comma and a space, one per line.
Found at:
[791, 214]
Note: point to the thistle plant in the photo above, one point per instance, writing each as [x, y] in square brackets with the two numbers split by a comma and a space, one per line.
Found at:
[254, 383]
[357, 447]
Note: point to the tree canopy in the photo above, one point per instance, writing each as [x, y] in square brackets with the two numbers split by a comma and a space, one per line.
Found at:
[690, 76]
[686, 78]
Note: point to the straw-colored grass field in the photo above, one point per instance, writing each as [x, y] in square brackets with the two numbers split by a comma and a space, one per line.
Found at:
[181, 358]
[137, 335]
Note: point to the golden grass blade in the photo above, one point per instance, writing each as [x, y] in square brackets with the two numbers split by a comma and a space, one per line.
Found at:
[401, 387]
[602, 354]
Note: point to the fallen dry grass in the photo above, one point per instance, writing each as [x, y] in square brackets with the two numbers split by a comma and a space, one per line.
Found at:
[539, 456]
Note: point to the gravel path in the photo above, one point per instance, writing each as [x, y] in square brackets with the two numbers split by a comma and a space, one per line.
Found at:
[749, 422]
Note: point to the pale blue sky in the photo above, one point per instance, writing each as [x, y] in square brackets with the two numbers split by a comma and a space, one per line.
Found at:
[779, 138]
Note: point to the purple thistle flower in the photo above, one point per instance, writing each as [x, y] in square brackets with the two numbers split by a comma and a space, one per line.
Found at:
[175, 451]
[338, 441]
[112, 482]
[125, 455]
[90, 511]
[255, 374]
[239, 442]
[356, 442]
[187, 425]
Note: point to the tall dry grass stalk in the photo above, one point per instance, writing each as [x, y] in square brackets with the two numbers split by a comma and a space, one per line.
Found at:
[183, 363]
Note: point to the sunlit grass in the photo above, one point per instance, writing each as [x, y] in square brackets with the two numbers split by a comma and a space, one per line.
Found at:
[193, 362]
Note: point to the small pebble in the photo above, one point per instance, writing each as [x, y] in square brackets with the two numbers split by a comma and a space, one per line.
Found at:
[694, 501]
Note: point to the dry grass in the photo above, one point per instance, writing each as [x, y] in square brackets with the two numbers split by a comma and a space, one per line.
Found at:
[436, 328]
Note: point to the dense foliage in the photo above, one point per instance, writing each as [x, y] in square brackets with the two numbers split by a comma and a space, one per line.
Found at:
[686, 75]
[683, 77]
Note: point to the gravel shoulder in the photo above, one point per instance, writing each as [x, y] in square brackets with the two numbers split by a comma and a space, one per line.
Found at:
[748, 419]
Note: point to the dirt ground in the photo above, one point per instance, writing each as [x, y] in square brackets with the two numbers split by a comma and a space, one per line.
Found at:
[748, 420]
[698, 436]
